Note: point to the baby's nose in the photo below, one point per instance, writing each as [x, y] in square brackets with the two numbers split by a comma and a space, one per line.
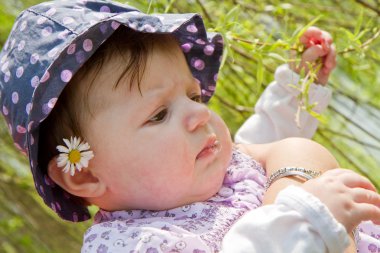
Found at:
[197, 115]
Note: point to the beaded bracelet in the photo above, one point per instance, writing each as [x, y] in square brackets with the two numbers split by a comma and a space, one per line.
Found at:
[291, 171]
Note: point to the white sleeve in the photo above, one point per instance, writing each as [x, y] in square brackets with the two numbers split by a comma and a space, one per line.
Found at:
[298, 222]
[275, 111]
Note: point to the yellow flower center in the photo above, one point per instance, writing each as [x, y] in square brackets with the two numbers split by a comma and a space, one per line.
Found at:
[74, 156]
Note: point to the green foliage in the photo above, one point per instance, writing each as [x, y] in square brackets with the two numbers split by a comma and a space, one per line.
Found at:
[258, 36]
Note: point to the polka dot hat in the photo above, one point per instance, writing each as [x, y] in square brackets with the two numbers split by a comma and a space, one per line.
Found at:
[49, 42]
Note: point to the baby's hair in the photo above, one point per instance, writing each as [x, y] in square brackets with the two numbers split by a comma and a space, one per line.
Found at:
[74, 107]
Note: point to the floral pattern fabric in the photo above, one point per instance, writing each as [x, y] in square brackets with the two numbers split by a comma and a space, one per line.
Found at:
[199, 227]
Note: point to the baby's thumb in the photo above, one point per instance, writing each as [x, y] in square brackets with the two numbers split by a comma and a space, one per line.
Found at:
[313, 53]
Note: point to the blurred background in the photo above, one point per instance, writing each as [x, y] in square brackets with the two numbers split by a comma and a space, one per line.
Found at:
[258, 35]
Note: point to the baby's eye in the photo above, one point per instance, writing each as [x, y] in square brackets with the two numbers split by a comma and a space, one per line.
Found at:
[197, 98]
[159, 117]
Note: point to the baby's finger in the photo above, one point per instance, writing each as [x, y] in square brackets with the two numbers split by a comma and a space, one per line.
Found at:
[329, 62]
[354, 180]
[364, 212]
[313, 53]
[327, 37]
[310, 33]
[361, 195]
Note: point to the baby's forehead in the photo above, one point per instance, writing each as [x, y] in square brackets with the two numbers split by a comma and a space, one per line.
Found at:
[164, 65]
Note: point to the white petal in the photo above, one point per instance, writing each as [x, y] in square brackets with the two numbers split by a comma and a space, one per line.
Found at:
[88, 155]
[76, 142]
[68, 143]
[72, 169]
[62, 160]
[84, 163]
[78, 166]
[62, 149]
[83, 146]
[67, 167]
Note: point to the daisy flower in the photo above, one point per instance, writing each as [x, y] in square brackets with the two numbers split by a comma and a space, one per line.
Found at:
[74, 156]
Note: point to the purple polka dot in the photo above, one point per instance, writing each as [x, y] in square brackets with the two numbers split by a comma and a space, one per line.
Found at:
[75, 217]
[31, 140]
[206, 93]
[19, 71]
[34, 58]
[23, 26]
[103, 28]
[51, 12]
[28, 108]
[211, 87]
[115, 25]
[35, 81]
[105, 9]
[71, 49]
[20, 129]
[45, 77]
[41, 20]
[58, 206]
[46, 109]
[46, 31]
[148, 28]
[15, 97]
[52, 102]
[198, 64]
[208, 50]
[13, 42]
[21, 45]
[186, 47]
[4, 58]
[53, 207]
[63, 35]
[4, 68]
[192, 28]
[66, 75]
[215, 77]
[200, 42]
[87, 45]
[5, 110]
[7, 76]
[80, 56]
[67, 20]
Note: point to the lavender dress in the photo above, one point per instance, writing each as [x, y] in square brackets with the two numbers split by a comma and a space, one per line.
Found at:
[195, 228]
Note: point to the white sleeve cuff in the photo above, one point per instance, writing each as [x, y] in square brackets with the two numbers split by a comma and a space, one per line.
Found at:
[320, 94]
[276, 109]
[317, 214]
[298, 222]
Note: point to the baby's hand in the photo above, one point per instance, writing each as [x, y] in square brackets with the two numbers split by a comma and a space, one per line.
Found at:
[319, 49]
[350, 197]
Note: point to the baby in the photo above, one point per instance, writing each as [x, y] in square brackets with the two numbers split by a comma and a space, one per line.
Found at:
[109, 108]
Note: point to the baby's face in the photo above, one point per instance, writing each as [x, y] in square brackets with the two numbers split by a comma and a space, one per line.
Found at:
[160, 148]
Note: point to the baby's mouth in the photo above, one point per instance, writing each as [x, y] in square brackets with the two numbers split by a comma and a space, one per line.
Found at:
[212, 147]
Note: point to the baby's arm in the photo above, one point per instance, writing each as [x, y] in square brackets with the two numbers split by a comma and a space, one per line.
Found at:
[276, 109]
[308, 154]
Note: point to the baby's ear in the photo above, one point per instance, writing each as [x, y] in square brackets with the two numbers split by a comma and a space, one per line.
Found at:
[82, 184]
